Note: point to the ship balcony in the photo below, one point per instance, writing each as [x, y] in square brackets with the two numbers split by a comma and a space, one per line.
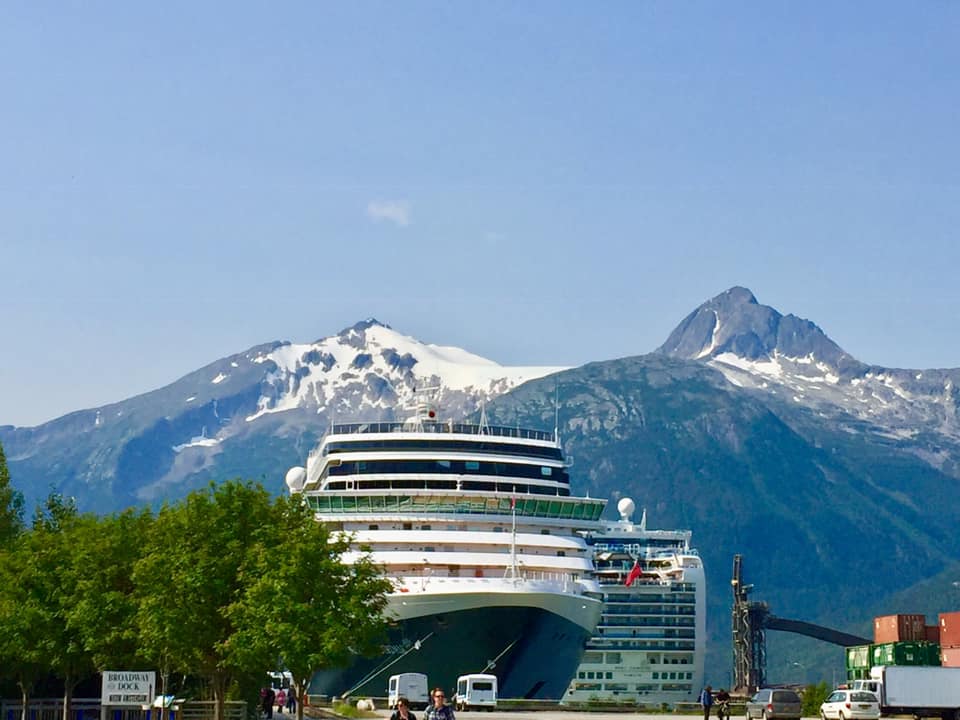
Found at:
[530, 581]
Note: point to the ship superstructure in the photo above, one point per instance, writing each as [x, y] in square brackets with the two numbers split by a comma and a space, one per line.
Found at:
[477, 529]
[650, 643]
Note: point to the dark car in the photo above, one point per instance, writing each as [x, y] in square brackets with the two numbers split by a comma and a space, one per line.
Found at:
[773, 704]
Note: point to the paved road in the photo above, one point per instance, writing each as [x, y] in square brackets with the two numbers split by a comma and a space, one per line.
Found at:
[561, 715]
[554, 715]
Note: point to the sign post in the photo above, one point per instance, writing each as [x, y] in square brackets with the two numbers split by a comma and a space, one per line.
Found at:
[122, 688]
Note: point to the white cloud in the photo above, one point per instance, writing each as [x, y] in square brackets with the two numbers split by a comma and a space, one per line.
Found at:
[395, 211]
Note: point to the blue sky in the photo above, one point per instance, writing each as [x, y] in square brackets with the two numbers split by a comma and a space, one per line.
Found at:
[537, 182]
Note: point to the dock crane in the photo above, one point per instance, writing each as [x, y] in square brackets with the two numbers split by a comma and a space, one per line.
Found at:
[751, 620]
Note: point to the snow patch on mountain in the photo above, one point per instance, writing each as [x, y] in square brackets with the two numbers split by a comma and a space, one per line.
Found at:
[197, 441]
[372, 366]
[714, 344]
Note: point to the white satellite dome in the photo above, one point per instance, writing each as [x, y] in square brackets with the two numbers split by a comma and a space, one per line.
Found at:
[625, 507]
[295, 478]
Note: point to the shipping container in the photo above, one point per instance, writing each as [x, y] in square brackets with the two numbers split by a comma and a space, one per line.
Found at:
[949, 657]
[858, 656]
[899, 628]
[932, 633]
[858, 674]
[950, 629]
[905, 653]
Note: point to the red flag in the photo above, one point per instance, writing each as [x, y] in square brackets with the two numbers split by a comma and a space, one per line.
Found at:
[633, 574]
[513, 503]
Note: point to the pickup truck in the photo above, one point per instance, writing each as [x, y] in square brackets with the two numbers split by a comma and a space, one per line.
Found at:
[921, 691]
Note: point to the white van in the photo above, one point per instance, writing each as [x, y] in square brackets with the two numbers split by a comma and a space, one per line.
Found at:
[476, 691]
[412, 686]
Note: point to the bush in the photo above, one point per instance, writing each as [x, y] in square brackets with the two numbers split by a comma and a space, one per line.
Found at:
[813, 696]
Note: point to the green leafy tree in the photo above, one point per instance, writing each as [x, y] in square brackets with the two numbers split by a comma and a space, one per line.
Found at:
[56, 535]
[22, 615]
[11, 505]
[306, 607]
[189, 575]
[34, 593]
[101, 605]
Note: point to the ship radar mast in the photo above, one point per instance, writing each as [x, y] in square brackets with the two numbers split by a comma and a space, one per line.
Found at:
[424, 402]
[483, 427]
[556, 412]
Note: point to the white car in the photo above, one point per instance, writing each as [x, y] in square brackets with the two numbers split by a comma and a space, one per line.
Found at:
[847, 704]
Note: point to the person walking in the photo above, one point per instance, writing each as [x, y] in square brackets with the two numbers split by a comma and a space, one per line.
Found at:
[439, 710]
[281, 700]
[268, 698]
[403, 710]
[723, 704]
[706, 701]
[292, 700]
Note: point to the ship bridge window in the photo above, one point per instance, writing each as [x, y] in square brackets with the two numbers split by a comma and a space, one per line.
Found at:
[445, 464]
[472, 465]
[373, 527]
[546, 471]
[425, 527]
[545, 531]
[408, 526]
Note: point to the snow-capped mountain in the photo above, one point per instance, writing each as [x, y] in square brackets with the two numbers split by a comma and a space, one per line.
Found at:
[248, 414]
[756, 347]
[372, 369]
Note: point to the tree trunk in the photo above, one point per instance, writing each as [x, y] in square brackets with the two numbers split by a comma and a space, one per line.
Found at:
[68, 686]
[219, 691]
[300, 691]
[24, 699]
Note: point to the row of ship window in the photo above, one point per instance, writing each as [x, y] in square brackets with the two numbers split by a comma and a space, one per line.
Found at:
[656, 675]
[622, 633]
[641, 549]
[639, 643]
[646, 609]
[652, 621]
[642, 689]
[441, 467]
[647, 599]
[434, 445]
[435, 484]
[577, 509]
[615, 658]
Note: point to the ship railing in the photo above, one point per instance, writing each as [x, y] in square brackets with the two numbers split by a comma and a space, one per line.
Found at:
[554, 581]
[446, 428]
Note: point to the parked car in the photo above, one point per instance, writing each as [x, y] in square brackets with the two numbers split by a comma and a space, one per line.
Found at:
[774, 704]
[847, 704]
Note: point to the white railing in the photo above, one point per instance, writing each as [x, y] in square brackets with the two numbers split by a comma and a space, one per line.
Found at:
[532, 579]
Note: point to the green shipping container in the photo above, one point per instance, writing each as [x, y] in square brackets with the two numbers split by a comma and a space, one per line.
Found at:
[858, 656]
[858, 674]
[905, 653]
[933, 653]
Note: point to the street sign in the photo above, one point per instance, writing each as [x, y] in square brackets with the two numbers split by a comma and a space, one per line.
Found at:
[127, 688]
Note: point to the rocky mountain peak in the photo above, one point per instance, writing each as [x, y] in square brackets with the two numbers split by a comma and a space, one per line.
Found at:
[733, 323]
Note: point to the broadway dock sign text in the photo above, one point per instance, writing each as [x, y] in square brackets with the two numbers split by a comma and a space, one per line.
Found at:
[128, 688]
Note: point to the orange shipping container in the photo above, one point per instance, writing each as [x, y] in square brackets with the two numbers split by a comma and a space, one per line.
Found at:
[950, 656]
[900, 628]
[950, 629]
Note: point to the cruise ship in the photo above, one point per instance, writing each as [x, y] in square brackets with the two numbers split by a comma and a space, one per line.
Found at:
[650, 643]
[476, 527]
